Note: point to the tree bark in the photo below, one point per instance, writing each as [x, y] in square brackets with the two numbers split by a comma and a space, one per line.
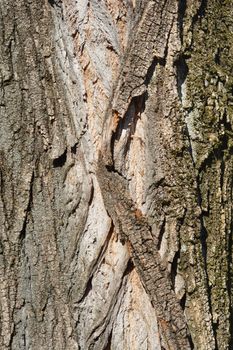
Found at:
[116, 174]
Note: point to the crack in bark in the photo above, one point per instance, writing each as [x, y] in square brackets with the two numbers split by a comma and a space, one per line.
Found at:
[200, 12]
[22, 233]
[182, 6]
[98, 261]
[129, 82]
[60, 160]
[128, 269]
[108, 346]
[54, 3]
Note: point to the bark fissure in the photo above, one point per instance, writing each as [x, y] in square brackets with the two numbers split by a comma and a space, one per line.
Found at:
[181, 14]
[100, 330]
[22, 233]
[116, 208]
[61, 160]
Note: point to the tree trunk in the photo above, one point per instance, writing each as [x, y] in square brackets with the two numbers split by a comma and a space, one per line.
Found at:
[116, 174]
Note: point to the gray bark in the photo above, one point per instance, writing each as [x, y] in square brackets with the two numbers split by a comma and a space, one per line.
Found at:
[116, 174]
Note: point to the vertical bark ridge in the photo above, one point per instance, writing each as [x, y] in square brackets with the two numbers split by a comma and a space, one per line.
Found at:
[115, 174]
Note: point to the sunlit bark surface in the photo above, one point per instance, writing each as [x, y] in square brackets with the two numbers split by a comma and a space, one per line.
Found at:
[116, 174]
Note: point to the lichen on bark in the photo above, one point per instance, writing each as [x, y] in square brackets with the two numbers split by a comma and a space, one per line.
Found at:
[207, 99]
[116, 174]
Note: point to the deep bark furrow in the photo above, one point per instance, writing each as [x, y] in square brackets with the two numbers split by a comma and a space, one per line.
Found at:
[135, 251]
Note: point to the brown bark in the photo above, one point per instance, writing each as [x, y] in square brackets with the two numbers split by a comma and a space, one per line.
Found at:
[116, 174]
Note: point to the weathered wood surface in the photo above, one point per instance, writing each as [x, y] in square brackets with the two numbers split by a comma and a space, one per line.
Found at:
[116, 174]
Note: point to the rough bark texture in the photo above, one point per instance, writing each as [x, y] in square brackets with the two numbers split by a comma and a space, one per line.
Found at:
[116, 174]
